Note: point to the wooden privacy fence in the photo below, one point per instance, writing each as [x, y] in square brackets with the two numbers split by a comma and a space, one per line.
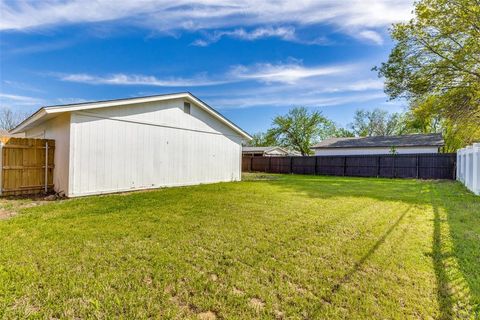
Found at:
[23, 165]
[420, 166]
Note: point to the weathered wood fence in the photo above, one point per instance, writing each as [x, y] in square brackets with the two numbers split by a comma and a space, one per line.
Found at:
[420, 166]
[23, 169]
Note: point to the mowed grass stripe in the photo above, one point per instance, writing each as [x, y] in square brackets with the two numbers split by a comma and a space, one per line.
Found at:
[283, 246]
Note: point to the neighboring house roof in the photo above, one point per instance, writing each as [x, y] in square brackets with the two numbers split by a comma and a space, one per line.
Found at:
[412, 140]
[268, 149]
[262, 149]
[49, 112]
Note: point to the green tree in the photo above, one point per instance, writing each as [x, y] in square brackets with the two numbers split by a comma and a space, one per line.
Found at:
[262, 139]
[331, 130]
[436, 59]
[298, 129]
[379, 123]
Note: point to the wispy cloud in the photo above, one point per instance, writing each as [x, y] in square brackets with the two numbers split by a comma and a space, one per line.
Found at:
[289, 73]
[193, 15]
[285, 33]
[21, 86]
[293, 100]
[41, 47]
[284, 73]
[370, 35]
[19, 100]
[141, 80]
[264, 84]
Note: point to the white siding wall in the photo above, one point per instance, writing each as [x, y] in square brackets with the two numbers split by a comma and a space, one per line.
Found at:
[58, 129]
[149, 146]
[366, 151]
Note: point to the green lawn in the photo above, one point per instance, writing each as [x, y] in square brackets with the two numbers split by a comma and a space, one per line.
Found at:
[272, 246]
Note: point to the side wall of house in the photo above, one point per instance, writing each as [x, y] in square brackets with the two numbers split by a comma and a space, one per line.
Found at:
[366, 151]
[150, 145]
[58, 129]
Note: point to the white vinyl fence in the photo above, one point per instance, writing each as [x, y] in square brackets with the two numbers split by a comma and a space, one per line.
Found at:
[468, 167]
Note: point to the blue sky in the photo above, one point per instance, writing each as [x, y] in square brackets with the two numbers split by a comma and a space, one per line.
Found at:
[250, 60]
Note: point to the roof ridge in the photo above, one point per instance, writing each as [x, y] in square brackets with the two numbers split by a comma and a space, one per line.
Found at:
[417, 139]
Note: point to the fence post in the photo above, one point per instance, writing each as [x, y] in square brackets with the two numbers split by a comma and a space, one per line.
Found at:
[476, 168]
[378, 166]
[344, 165]
[291, 164]
[462, 165]
[315, 168]
[418, 158]
[1, 167]
[393, 166]
[46, 166]
[468, 173]
[269, 164]
[251, 163]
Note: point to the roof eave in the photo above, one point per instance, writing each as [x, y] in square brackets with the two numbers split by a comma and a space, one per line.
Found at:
[42, 112]
[39, 114]
[397, 146]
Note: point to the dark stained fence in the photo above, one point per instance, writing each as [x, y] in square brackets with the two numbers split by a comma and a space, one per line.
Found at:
[420, 166]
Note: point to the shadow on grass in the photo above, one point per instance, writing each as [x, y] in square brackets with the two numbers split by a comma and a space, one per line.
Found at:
[458, 284]
[444, 294]
[358, 265]
[460, 226]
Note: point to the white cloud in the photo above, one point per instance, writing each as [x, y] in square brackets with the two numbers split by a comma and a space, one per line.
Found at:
[285, 33]
[140, 80]
[285, 73]
[371, 36]
[166, 16]
[267, 84]
[293, 100]
[288, 73]
[18, 99]
[355, 85]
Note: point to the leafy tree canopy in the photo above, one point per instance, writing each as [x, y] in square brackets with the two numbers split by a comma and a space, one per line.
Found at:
[261, 139]
[379, 123]
[299, 129]
[435, 65]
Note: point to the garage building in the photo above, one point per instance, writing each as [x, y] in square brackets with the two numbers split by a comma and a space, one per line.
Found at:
[138, 143]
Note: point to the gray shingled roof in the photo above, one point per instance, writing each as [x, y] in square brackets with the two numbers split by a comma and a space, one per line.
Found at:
[412, 140]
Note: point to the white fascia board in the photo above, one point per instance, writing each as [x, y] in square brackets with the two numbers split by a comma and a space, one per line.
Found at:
[33, 118]
[121, 102]
[112, 103]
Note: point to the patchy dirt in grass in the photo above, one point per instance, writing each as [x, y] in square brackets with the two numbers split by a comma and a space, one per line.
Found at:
[252, 176]
[257, 304]
[238, 292]
[279, 314]
[209, 315]
[11, 206]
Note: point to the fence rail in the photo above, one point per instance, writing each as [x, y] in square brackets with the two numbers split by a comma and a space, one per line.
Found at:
[468, 167]
[26, 166]
[420, 166]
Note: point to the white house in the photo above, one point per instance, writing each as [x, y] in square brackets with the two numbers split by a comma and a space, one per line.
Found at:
[404, 144]
[138, 143]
